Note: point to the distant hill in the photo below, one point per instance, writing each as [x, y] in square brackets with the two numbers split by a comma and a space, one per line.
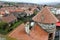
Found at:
[54, 4]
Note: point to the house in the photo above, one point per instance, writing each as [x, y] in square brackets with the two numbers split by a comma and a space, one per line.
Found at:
[45, 14]
[30, 11]
[47, 21]
[10, 19]
[58, 27]
[2, 13]
[57, 14]
[36, 32]
[56, 11]
[19, 14]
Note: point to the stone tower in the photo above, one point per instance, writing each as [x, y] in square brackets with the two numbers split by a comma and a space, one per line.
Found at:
[47, 21]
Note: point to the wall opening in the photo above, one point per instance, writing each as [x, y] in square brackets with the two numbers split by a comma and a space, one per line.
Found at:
[50, 36]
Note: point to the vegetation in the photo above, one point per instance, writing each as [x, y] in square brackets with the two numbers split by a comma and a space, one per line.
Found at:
[35, 12]
[1, 6]
[2, 24]
[14, 25]
[5, 28]
[4, 37]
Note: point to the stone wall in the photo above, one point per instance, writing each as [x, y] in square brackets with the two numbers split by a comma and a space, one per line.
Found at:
[48, 27]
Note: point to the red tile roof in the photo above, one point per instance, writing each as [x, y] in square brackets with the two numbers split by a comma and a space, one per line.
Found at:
[30, 11]
[19, 33]
[2, 12]
[19, 10]
[36, 33]
[45, 16]
[9, 18]
[10, 9]
[15, 9]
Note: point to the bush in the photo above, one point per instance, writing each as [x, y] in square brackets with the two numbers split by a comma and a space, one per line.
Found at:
[2, 24]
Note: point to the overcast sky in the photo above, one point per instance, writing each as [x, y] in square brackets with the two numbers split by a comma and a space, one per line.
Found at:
[33, 1]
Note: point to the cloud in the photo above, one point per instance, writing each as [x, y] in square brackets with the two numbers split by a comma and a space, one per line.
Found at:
[33, 1]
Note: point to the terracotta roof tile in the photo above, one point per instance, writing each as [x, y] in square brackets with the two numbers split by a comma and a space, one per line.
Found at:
[45, 16]
[19, 33]
[19, 10]
[2, 12]
[9, 18]
[12, 9]
[29, 12]
[36, 33]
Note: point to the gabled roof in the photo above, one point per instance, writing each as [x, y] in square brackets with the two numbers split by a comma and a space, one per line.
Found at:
[36, 33]
[29, 12]
[9, 18]
[45, 16]
[19, 33]
[10, 9]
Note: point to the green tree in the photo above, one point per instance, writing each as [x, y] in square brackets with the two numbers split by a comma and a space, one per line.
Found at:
[1, 6]
[2, 24]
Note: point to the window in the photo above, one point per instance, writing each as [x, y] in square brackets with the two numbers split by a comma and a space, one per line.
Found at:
[50, 36]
